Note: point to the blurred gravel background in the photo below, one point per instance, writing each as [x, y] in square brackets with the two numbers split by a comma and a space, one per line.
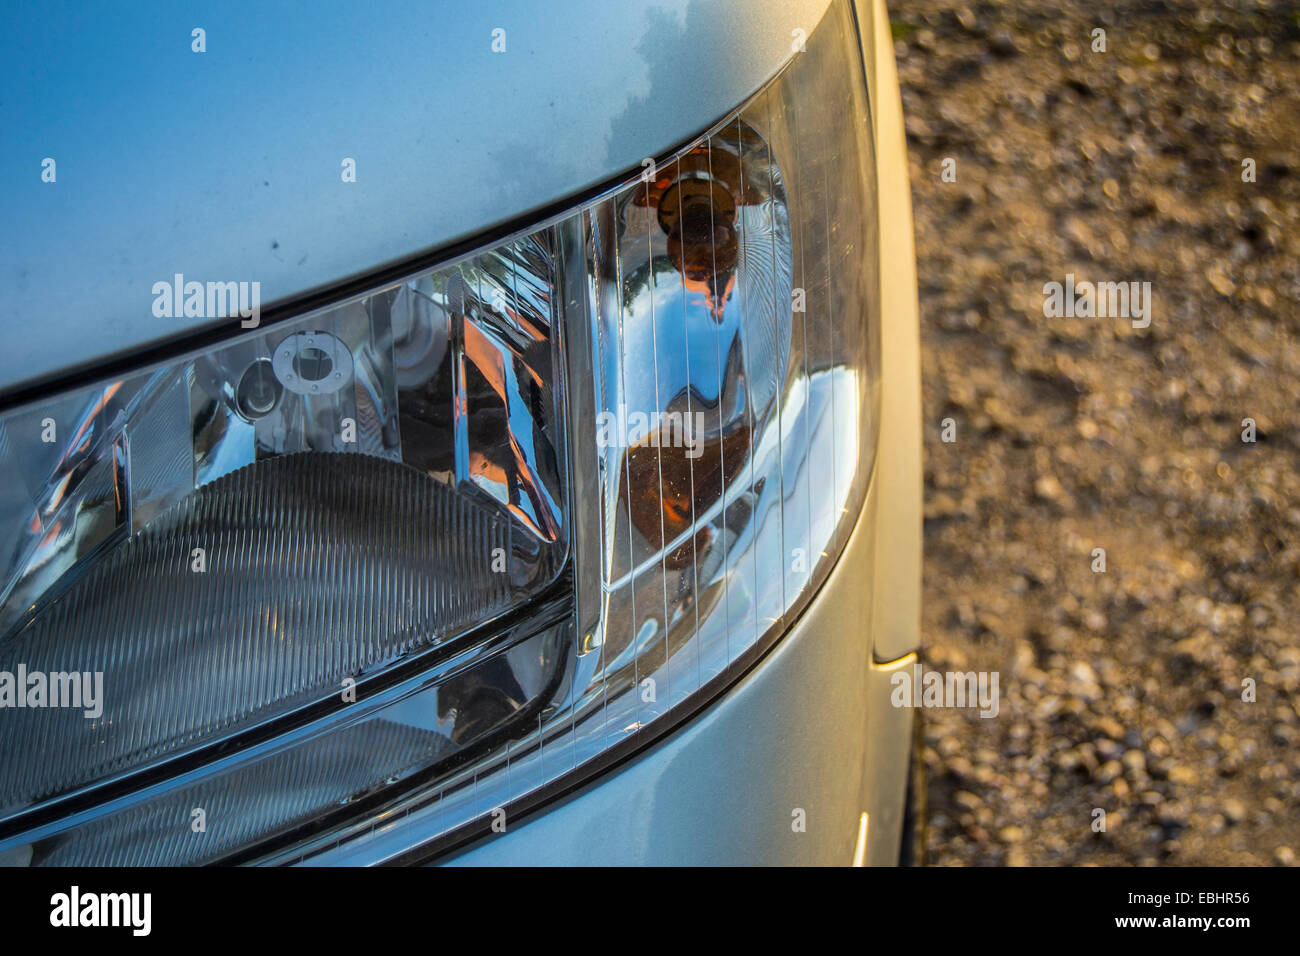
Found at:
[1120, 690]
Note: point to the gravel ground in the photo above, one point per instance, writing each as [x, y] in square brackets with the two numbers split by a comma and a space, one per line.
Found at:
[1120, 690]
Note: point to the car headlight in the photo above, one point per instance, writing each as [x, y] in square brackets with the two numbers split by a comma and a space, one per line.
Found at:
[370, 574]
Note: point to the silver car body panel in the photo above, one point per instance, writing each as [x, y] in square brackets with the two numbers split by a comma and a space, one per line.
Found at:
[463, 142]
[226, 165]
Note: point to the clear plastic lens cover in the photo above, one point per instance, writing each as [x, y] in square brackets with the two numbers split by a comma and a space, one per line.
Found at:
[660, 409]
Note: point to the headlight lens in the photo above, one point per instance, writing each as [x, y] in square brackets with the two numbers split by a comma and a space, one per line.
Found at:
[529, 502]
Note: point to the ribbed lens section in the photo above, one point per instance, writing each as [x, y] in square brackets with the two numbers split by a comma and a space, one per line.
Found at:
[272, 795]
[329, 767]
[257, 594]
